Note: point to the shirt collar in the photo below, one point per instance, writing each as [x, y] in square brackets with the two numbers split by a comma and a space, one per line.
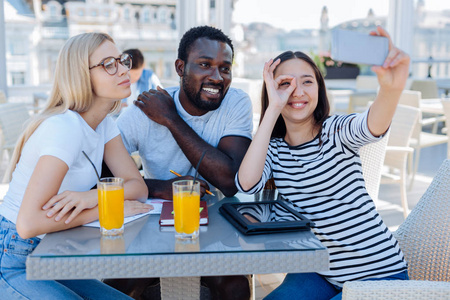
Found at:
[184, 114]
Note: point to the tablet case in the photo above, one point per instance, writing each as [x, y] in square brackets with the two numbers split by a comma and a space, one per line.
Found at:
[231, 212]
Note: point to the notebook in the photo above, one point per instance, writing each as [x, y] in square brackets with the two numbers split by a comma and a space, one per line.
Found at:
[166, 218]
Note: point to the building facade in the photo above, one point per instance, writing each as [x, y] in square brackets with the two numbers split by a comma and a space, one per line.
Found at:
[37, 29]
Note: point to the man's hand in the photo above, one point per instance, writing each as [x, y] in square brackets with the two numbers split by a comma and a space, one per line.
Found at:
[158, 105]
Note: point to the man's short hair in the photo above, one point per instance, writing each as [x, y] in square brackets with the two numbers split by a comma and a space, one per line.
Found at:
[195, 33]
[138, 58]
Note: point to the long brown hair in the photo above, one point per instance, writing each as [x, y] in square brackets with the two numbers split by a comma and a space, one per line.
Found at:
[322, 110]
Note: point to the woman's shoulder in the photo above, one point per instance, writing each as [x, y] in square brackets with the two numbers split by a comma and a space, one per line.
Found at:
[66, 122]
[68, 117]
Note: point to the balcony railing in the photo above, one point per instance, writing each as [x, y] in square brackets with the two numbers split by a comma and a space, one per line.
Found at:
[430, 67]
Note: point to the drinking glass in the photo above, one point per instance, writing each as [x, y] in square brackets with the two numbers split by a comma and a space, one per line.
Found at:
[110, 205]
[186, 207]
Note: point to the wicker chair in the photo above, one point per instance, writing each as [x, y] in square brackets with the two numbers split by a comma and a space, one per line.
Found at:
[420, 139]
[12, 119]
[372, 158]
[425, 241]
[358, 102]
[446, 106]
[398, 152]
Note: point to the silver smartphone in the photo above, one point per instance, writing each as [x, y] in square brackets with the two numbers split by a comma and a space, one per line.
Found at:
[359, 48]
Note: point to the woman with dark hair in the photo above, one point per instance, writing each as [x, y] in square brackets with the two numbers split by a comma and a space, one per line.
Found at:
[323, 107]
[314, 161]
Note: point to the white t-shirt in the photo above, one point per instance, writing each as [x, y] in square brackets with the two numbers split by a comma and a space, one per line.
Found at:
[158, 149]
[63, 136]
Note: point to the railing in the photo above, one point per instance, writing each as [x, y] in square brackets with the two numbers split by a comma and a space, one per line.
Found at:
[430, 67]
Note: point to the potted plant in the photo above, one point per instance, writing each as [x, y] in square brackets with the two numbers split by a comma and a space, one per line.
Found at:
[332, 69]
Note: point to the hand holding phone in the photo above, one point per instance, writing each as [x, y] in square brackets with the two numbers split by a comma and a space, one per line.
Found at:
[359, 48]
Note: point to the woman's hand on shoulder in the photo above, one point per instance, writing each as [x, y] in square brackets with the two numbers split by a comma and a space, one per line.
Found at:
[395, 70]
[278, 95]
[72, 203]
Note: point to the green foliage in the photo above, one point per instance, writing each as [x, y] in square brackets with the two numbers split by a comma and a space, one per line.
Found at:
[323, 60]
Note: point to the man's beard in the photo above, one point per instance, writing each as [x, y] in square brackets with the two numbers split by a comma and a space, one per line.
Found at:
[195, 96]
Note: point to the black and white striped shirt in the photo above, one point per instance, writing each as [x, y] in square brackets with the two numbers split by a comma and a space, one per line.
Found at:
[324, 182]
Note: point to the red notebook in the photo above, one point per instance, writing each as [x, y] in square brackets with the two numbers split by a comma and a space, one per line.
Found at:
[166, 218]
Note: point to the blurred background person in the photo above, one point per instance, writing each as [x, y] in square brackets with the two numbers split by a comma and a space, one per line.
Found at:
[142, 79]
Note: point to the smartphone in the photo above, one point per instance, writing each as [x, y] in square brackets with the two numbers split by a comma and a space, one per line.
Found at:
[359, 48]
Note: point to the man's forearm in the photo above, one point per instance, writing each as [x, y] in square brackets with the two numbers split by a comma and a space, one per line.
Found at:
[217, 167]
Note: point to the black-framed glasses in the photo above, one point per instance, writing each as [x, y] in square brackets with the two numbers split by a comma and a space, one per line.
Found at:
[110, 63]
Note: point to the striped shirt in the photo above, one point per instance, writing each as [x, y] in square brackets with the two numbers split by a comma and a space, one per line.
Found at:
[324, 182]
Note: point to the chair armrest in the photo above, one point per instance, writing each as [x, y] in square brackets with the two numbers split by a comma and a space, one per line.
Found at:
[396, 289]
[399, 149]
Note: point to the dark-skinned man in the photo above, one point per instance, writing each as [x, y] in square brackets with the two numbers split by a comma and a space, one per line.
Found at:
[172, 128]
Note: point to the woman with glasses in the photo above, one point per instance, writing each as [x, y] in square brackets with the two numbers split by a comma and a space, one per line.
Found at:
[52, 179]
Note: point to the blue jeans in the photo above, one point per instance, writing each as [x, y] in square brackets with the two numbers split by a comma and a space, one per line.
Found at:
[313, 286]
[13, 282]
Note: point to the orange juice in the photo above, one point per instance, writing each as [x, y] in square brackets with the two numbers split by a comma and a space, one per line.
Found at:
[186, 207]
[110, 207]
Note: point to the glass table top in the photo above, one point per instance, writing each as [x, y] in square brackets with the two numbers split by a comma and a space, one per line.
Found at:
[145, 236]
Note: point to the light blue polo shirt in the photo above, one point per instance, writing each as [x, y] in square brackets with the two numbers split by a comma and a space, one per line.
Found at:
[159, 150]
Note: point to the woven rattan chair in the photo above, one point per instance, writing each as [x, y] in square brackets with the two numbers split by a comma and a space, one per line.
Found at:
[424, 238]
[358, 102]
[398, 152]
[372, 158]
[412, 289]
[446, 106]
[12, 119]
[428, 88]
[420, 139]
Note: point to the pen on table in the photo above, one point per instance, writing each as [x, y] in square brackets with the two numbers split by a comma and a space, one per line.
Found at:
[173, 172]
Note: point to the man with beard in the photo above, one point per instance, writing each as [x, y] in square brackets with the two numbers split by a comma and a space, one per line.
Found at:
[172, 128]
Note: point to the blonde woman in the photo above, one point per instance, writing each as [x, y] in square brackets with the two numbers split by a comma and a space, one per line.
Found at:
[51, 181]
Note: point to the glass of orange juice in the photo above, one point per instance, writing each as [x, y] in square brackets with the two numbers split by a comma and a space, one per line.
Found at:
[186, 208]
[110, 205]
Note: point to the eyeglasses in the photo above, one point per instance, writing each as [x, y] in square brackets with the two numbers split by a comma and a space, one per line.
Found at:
[110, 63]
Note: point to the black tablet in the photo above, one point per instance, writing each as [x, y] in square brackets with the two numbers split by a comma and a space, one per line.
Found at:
[264, 217]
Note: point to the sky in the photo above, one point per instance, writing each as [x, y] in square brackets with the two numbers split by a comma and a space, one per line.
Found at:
[300, 14]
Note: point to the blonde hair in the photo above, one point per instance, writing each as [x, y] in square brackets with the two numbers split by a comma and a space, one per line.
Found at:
[72, 87]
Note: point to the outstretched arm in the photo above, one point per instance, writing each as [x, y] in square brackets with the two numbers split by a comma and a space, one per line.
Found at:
[392, 78]
[219, 164]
